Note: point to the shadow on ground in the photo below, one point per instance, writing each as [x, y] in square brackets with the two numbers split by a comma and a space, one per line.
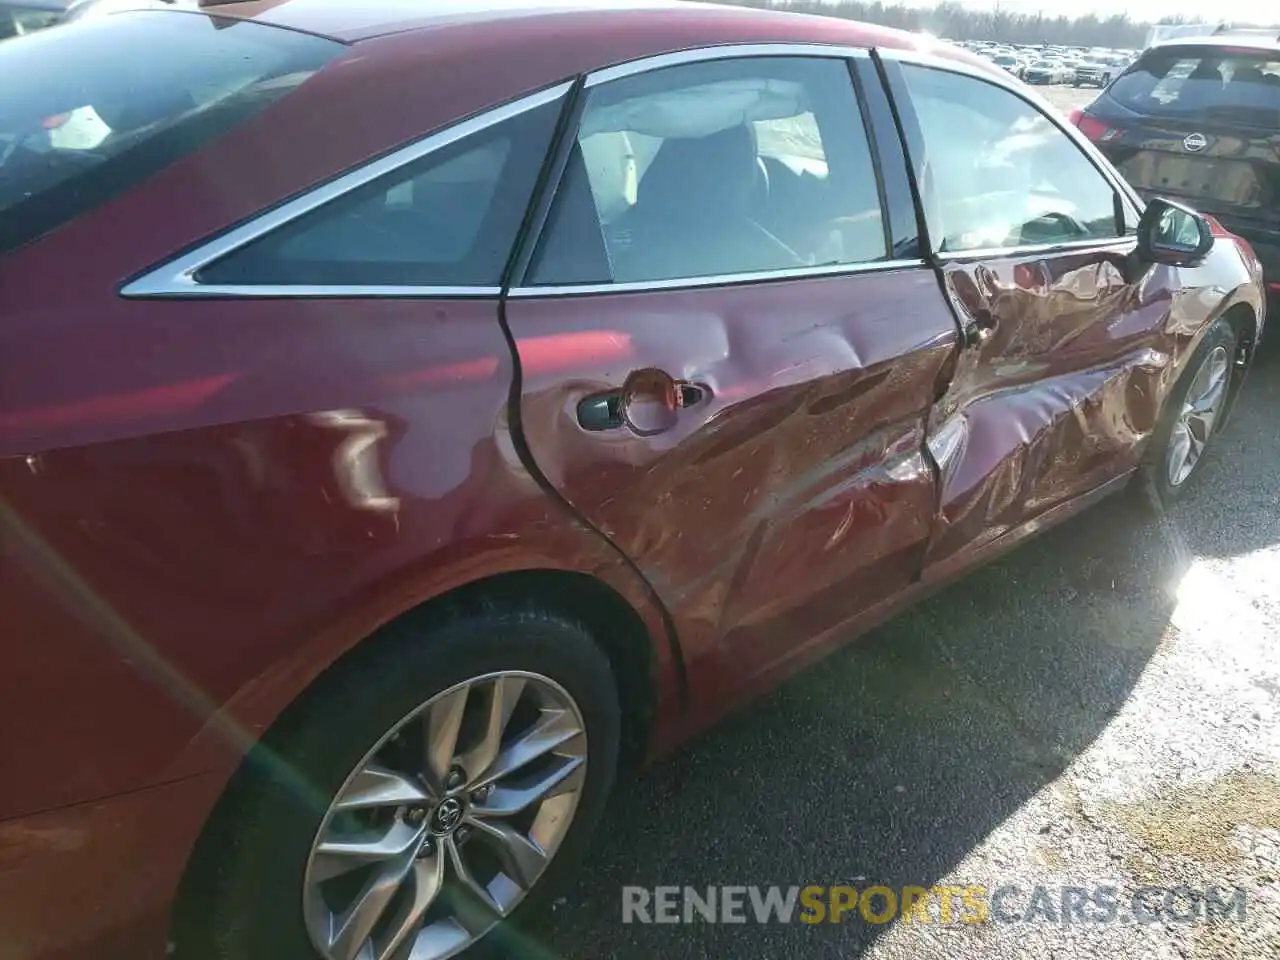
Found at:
[897, 756]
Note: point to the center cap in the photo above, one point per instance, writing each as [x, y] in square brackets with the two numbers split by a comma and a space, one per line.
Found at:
[447, 816]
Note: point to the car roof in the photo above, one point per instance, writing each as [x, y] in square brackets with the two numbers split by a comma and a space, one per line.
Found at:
[354, 20]
[1260, 41]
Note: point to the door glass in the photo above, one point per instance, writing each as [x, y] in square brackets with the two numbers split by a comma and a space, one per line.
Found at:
[716, 168]
[448, 219]
[996, 172]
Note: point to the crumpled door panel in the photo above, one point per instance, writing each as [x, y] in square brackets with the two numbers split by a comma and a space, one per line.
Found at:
[1060, 387]
[794, 493]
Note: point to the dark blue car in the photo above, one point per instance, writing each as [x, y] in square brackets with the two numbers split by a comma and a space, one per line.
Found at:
[1198, 120]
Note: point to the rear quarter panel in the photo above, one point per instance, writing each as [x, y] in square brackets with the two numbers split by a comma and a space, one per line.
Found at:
[189, 541]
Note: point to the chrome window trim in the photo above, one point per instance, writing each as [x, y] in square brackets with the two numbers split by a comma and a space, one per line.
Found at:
[708, 54]
[1031, 249]
[718, 280]
[1133, 202]
[273, 291]
[727, 51]
[177, 277]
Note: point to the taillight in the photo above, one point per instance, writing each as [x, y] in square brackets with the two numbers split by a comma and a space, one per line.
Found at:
[55, 121]
[1217, 229]
[1093, 128]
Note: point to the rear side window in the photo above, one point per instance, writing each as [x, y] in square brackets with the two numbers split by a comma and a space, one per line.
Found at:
[1228, 84]
[714, 169]
[89, 110]
[449, 219]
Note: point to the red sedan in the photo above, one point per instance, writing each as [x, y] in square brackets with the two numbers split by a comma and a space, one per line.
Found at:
[409, 415]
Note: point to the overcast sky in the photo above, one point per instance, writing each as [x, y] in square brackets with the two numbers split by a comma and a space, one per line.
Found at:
[1240, 10]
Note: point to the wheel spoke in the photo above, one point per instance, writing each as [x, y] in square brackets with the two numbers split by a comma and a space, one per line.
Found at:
[522, 859]
[1209, 386]
[1197, 442]
[353, 928]
[554, 729]
[503, 695]
[1179, 453]
[441, 939]
[443, 722]
[1206, 403]
[507, 801]
[377, 786]
[1200, 425]
[338, 855]
[427, 879]
[476, 908]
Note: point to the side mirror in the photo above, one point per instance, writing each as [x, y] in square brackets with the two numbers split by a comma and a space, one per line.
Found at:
[1174, 235]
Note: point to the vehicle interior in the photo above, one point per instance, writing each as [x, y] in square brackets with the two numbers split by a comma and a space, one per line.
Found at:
[724, 178]
[996, 183]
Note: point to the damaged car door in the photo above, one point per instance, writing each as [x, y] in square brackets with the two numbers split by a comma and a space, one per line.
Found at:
[1058, 381]
[727, 359]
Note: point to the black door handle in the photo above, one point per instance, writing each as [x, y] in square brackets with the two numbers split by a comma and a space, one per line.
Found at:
[648, 404]
[603, 411]
[980, 330]
[690, 394]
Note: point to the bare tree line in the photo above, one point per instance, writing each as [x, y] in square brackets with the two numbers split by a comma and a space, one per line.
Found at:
[958, 23]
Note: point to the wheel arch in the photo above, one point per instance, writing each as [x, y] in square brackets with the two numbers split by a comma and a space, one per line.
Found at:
[616, 625]
[1244, 320]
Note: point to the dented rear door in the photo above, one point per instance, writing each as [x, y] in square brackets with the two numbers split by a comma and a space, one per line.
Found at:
[748, 431]
[1063, 363]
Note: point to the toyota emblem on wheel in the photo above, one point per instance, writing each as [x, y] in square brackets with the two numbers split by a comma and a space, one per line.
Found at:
[448, 815]
[1195, 143]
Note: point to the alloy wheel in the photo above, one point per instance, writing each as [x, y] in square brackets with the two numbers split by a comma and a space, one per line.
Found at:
[448, 822]
[1199, 415]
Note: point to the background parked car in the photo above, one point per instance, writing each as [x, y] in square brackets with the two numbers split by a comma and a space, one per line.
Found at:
[1043, 72]
[1009, 63]
[1199, 119]
[1092, 73]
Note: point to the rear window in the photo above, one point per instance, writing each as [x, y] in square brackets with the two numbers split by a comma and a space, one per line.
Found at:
[20, 19]
[91, 109]
[1226, 84]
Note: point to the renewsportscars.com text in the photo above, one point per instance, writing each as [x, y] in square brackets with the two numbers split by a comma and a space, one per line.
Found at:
[877, 904]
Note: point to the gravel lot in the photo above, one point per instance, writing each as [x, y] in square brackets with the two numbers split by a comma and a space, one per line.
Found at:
[1068, 98]
[1098, 707]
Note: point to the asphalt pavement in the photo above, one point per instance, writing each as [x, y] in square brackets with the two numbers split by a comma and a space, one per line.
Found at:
[1097, 708]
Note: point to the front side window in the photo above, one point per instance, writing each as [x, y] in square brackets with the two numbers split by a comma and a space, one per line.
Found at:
[83, 118]
[712, 169]
[996, 172]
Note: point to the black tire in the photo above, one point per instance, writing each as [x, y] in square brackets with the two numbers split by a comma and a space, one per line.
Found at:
[1154, 475]
[246, 904]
